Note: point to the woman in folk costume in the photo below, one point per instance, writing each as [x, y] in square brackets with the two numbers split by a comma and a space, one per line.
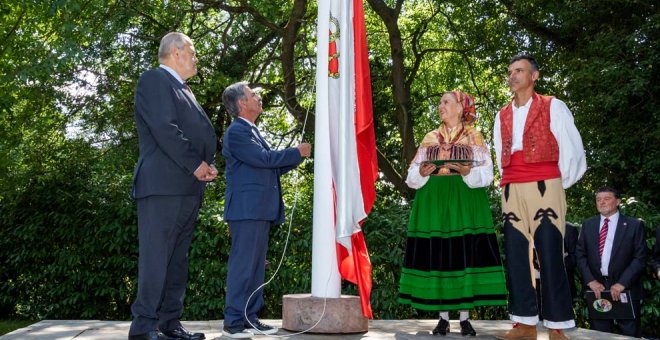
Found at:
[452, 260]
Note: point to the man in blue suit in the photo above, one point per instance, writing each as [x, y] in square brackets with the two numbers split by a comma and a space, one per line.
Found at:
[611, 255]
[177, 150]
[253, 203]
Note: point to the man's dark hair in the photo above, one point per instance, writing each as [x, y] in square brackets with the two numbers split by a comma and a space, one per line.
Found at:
[532, 61]
[606, 188]
[231, 95]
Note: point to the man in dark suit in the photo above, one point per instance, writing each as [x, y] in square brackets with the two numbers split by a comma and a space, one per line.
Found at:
[177, 151]
[253, 203]
[611, 255]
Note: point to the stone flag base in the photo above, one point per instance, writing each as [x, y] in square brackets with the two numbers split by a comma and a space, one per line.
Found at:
[301, 312]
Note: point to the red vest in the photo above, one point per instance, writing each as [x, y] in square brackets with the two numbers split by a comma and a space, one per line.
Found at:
[539, 144]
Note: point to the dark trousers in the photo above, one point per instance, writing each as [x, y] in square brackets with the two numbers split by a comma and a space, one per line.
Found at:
[165, 230]
[246, 269]
[629, 327]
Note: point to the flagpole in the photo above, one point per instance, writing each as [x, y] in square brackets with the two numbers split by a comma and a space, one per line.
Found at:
[338, 205]
[326, 281]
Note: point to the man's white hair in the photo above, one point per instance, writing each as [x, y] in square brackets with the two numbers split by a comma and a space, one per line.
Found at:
[176, 39]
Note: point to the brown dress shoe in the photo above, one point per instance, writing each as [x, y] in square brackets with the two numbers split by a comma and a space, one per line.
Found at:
[556, 334]
[519, 332]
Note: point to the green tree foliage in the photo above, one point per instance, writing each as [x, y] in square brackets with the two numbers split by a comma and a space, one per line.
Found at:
[68, 68]
[602, 59]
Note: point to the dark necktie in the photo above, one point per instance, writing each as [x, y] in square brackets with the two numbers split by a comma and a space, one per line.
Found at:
[187, 88]
[602, 236]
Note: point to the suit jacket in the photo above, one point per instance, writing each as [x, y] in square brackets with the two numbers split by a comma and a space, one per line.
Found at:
[253, 174]
[628, 258]
[175, 136]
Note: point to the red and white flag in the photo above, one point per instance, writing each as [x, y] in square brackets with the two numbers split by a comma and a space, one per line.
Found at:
[345, 145]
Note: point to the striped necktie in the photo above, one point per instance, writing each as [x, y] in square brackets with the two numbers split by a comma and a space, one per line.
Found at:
[602, 236]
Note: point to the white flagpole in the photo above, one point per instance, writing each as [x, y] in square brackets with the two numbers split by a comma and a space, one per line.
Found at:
[326, 281]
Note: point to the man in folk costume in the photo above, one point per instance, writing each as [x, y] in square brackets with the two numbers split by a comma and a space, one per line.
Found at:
[540, 153]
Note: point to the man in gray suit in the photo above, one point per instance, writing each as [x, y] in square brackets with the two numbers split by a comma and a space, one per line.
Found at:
[611, 256]
[177, 151]
[253, 203]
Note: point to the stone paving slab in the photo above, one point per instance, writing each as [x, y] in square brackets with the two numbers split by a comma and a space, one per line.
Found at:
[378, 329]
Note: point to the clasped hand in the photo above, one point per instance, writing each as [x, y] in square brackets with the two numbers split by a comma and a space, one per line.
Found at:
[616, 289]
[205, 172]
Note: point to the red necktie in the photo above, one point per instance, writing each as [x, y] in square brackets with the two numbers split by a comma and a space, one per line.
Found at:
[602, 236]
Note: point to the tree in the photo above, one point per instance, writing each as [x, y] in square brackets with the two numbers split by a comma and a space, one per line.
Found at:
[601, 58]
[68, 139]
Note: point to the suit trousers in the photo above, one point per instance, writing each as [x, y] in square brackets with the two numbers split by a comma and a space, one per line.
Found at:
[165, 230]
[534, 220]
[246, 270]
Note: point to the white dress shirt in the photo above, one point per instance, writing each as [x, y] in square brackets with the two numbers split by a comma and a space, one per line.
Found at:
[173, 73]
[609, 239]
[572, 160]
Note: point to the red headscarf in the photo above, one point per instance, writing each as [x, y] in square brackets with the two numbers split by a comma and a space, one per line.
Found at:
[469, 110]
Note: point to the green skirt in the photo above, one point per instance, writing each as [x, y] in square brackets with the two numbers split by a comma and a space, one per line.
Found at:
[452, 260]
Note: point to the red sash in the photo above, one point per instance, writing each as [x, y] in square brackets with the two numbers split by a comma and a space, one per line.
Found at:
[520, 172]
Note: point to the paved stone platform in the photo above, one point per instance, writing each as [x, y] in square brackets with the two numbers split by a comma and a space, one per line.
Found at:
[378, 329]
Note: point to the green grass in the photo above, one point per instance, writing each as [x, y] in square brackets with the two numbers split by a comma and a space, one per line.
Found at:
[7, 326]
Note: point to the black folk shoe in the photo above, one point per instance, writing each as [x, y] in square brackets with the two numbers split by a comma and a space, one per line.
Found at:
[442, 328]
[466, 329]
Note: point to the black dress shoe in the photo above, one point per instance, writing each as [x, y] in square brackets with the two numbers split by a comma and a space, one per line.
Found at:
[466, 329]
[153, 335]
[182, 333]
[442, 328]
